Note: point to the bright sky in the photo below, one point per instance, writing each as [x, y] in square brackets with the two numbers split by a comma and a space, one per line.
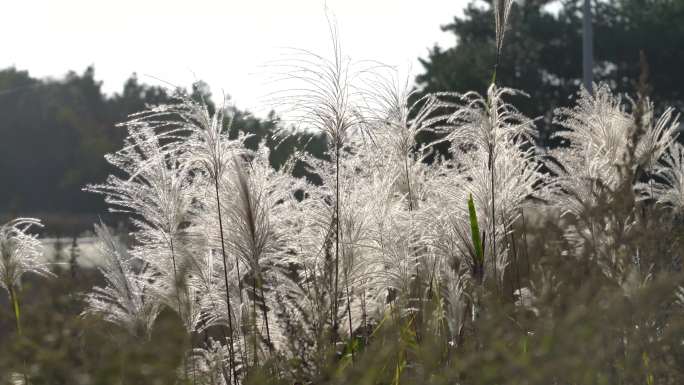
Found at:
[223, 42]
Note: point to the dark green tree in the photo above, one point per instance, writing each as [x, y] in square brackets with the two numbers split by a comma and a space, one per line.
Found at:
[542, 51]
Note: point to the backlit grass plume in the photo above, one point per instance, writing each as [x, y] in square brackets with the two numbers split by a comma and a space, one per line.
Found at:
[125, 300]
[502, 8]
[154, 192]
[20, 253]
[667, 186]
[598, 134]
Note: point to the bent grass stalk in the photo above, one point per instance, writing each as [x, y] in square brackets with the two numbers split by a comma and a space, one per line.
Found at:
[17, 316]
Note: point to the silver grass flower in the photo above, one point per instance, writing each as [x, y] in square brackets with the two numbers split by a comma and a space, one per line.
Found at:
[361, 197]
[680, 296]
[202, 145]
[598, 135]
[208, 365]
[394, 263]
[494, 159]
[502, 8]
[485, 122]
[317, 93]
[256, 212]
[668, 188]
[124, 301]
[392, 116]
[210, 280]
[453, 285]
[257, 225]
[156, 193]
[204, 136]
[256, 215]
[394, 121]
[606, 150]
[20, 253]
[656, 134]
[177, 292]
[317, 228]
[517, 177]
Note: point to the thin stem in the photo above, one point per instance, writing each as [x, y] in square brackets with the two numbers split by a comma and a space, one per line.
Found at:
[496, 65]
[517, 269]
[365, 317]
[514, 251]
[15, 309]
[175, 276]
[254, 318]
[265, 315]
[493, 235]
[337, 231]
[408, 184]
[351, 331]
[225, 276]
[527, 257]
[17, 317]
[226, 376]
[410, 207]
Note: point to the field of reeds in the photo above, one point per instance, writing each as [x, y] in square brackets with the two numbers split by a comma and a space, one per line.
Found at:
[434, 243]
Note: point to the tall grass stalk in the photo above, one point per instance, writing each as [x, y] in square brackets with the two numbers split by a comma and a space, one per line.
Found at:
[225, 275]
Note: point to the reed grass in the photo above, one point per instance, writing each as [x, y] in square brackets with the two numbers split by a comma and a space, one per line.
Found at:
[392, 269]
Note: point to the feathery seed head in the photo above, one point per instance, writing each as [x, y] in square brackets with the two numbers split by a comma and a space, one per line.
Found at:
[20, 252]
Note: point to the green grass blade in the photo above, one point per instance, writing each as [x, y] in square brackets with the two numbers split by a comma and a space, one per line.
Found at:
[475, 231]
[15, 307]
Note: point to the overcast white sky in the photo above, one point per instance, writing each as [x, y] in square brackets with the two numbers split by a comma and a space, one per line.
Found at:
[223, 42]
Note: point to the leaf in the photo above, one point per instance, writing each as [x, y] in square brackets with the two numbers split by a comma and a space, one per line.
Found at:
[475, 231]
[15, 307]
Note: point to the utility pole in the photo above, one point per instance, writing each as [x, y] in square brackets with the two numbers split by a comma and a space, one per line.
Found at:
[587, 48]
